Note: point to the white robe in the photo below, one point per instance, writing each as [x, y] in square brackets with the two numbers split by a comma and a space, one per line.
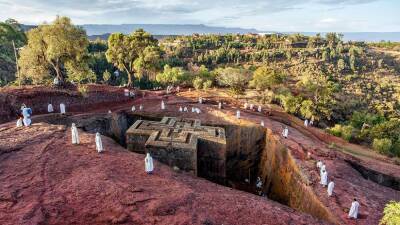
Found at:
[27, 121]
[141, 107]
[262, 123]
[245, 105]
[99, 144]
[259, 108]
[198, 111]
[133, 109]
[50, 108]
[331, 185]
[220, 105]
[180, 109]
[319, 164]
[251, 106]
[193, 110]
[238, 114]
[62, 108]
[353, 213]
[201, 100]
[149, 167]
[185, 109]
[162, 105]
[285, 132]
[25, 112]
[74, 134]
[324, 178]
[306, 123]
[19, 122]
[323, 167]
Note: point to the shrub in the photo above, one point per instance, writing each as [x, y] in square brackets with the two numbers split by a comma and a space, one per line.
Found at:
[207, 84]
[198, 83]
[83, 90]
[106, 76]
[391, 214]
[382, 146]
[345, 132]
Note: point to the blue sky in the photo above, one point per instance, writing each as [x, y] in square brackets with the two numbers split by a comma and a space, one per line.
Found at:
[266, 15]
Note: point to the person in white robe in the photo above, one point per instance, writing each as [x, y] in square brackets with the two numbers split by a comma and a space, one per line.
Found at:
[353, 212]
[238, 114]
[324, 178]
[99, 143]
[180, 109]
[245, 105]
[185, 109]
[19, 122]
[220, 105]
[26, 112]
[141, 107]
[306, 123]
[193, 110]
[251, 106]
[259, 108]
[285, 132]
[74, 134]
[200, 100]
[149, 167]
[262, 123]
[62, 108]
[162, 105]
[109, 112]
[178, 89]
[27, 121]
[50, 108]
[198, 111]
[319, 164]
[323, 167]
[331, 185]
[133, 109]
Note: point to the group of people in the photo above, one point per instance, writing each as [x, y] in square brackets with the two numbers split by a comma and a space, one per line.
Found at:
[309, 122]
[76, 141]
[134, 108]
[353, 212]
[251, 107]
[26, 114]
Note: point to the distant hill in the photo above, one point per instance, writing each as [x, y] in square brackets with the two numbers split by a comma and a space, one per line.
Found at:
[105, 36]
[163, 29]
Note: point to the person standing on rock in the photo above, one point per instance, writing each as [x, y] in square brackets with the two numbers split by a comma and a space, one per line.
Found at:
[19, 122]
[141, 107]
[319, 164]
[26, 113]
[149, 167]
[245, 105]
[180, 109]
[259, 108]
[200, 100]
[353, 212]
[50, 108]
[62, 108]
[324, 178]
[133, 109]
[285, 132]
[74, 134]
[219, 105]
[185, 109]
[306, 123]
[99, 144]
[238, 114]
[262, 123]
[162, 105]
[331, 185]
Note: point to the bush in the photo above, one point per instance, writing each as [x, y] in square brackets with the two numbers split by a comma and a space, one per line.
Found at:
[345, 132]
[391, 214]
[290, 103]
[83, 90]
[198, 83]
[106, 76]
[382, 146]
[207, 84]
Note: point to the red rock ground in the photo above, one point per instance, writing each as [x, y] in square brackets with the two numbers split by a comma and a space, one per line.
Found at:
[45, 179]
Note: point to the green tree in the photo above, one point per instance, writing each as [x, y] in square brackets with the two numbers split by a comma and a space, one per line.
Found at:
[391, 214]
[127, 52]
[50, 47]
[172, 75]
[266, 78]
[235, 79]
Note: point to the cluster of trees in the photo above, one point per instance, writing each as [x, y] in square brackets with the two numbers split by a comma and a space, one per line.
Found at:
[11, 35]
[315, 77]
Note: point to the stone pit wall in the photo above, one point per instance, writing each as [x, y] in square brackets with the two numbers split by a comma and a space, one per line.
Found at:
[285, 183]
[38, 97]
